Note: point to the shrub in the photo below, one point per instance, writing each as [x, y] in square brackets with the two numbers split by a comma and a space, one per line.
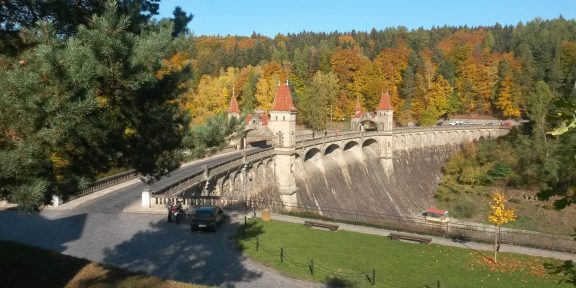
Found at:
[465, 209]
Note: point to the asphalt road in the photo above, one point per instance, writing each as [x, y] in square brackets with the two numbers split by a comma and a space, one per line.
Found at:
[100, 231]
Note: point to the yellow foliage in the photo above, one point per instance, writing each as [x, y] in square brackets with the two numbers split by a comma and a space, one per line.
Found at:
[58, 162]
[102, 101]
[129, 131]
[499, 214]
[507, 101]
[266, 91]
[438, 95]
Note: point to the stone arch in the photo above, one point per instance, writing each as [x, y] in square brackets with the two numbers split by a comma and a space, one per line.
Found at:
[226, 187]
[259, 174]
[236, 180]
[372, 145]
[313, 154]
[331, 149]
[351, 145]
[426, 139]
[369, 125]
[217, 191]
[250, 178]
[403, 142]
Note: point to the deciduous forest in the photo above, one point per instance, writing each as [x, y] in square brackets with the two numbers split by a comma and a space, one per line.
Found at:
[430, 74]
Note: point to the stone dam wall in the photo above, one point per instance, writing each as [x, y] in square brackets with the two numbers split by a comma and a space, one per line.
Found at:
[355, 180]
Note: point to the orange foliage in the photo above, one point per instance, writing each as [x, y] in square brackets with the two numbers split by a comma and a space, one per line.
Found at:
[346, 39]
[462, 37]
[175, 63]
[345, 62]
[245, 43]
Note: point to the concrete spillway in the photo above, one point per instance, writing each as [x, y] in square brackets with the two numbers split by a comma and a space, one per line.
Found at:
[355, 180]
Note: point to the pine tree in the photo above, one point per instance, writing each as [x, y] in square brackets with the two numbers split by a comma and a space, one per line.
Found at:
[78, 106]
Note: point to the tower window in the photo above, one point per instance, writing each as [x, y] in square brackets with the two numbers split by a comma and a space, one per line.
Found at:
[283, 118]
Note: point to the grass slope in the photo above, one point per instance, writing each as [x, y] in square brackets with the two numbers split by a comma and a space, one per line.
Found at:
[346, 259]
[26, 266]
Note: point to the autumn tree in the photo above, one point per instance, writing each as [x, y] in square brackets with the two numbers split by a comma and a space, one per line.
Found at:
[499, 215]
[345, 62]
[436, 101]
[507, 94]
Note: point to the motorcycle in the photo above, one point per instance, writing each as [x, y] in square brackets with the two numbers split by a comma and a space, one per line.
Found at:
[175, 212]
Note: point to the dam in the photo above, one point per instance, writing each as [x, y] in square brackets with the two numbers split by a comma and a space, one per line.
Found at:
[355, 180]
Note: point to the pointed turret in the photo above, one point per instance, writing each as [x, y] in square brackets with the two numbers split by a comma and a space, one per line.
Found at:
[385, 102]
[283, 100]
[358, 110]
[233, 110]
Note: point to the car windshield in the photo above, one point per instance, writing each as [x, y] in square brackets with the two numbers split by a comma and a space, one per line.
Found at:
[203, 214]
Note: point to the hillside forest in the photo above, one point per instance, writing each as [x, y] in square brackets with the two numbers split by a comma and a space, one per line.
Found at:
[103, 85]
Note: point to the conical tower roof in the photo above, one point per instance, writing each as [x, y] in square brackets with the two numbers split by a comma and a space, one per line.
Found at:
[233, 108]
[283, 100]
[385, 102]
[358, 109]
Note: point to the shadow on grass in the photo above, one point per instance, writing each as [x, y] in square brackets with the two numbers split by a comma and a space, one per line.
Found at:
[567, 270]
[338, 282]
[27, 266]
[249, 231]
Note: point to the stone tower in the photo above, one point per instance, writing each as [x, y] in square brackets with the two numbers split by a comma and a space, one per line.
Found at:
[234, 112]
[384, 114]
[282, 123]
[358, 116]
[384, 121]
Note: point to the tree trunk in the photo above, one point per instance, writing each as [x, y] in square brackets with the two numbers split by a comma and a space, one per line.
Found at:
[496, 232]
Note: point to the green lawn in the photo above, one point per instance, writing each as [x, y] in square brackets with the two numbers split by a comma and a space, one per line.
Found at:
[26, 266]
[348, 259]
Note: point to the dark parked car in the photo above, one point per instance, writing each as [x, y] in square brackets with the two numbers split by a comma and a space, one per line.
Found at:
[207, 218]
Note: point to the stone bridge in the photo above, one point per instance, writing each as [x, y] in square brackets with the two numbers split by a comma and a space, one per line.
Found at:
[271, 171]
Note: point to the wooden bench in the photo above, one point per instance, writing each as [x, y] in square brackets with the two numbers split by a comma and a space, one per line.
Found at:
[331, 227]
[420, 239]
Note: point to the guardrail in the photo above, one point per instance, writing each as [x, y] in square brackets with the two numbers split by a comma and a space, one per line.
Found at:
[107, 182]
[318, 138]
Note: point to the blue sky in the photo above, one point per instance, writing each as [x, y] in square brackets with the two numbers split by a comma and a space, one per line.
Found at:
[269, 17]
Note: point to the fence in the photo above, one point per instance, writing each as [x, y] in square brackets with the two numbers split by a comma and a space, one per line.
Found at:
[457, 231]
[341, 276]
[454, 230]
[310, 266]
